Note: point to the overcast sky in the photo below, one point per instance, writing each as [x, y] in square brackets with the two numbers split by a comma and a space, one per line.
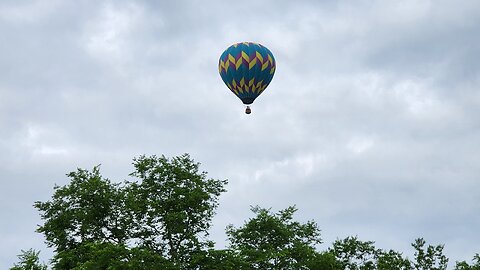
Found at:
[371, 125]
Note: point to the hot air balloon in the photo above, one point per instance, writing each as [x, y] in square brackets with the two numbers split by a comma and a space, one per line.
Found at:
[247, 68]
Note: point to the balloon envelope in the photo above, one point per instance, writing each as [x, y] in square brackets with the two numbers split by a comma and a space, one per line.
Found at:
[247, 68]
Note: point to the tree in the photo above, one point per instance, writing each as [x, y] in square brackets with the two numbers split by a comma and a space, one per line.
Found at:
[274, 240]
[160, 220]
[357, 255]
[224, 259]
[29, 260]
[111, 256]
[173, 206]
[89, 209]
[164, 215]
[429, 258]
[463, 265]
[354, 254]
[324, 261]
[392, 260]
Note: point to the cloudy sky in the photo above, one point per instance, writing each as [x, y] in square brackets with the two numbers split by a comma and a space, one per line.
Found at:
[371, 125]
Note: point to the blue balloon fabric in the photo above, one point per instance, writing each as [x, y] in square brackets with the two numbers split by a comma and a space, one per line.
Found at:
[247, 68]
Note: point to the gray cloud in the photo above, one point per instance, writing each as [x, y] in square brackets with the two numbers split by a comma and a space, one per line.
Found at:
[370, 125]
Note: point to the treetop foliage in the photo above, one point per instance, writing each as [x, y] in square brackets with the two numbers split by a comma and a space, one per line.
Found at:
[161, 219]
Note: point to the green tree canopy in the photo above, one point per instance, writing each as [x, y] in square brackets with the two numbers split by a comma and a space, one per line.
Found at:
[275, 240]
[160, 220]
[29, 260]
[463, 265]
[173, 205]
[429, 257]
[354, 254]
[167, 210]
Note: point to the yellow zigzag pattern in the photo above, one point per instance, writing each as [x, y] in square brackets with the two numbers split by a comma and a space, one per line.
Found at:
[236, 63]
[243, 86]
